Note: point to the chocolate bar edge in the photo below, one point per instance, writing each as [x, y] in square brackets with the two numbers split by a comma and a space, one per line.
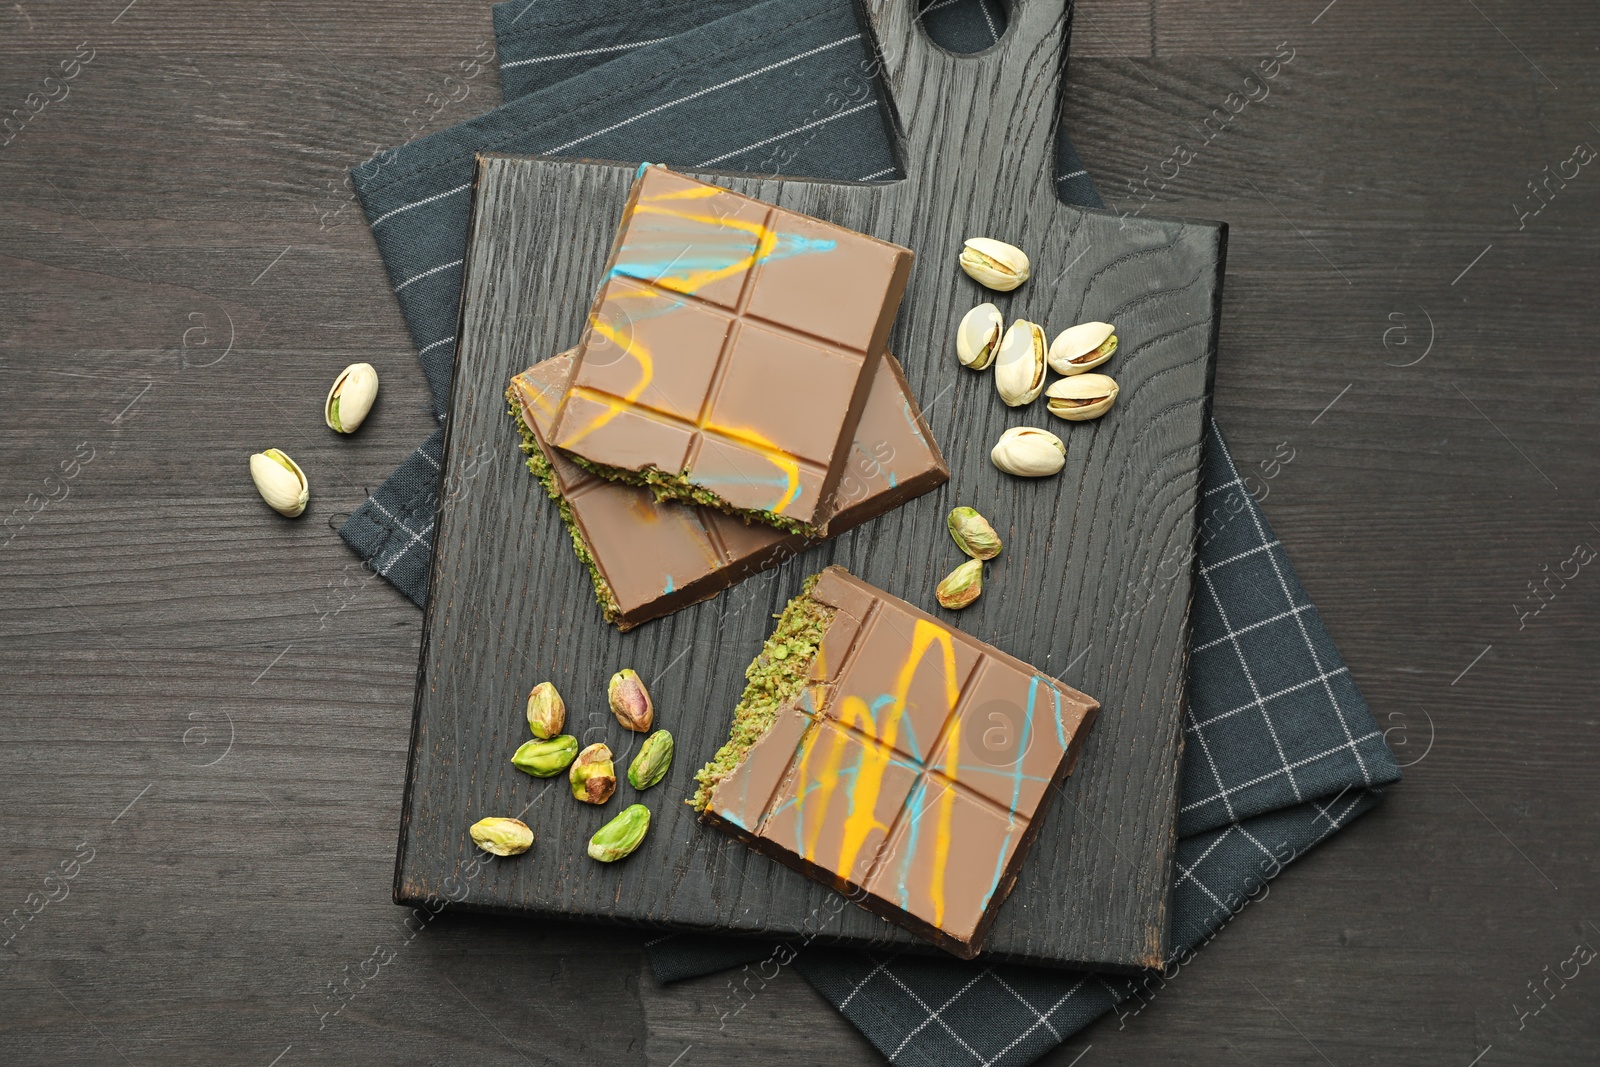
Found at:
[672, 485]
[718, 582]
[703, 796]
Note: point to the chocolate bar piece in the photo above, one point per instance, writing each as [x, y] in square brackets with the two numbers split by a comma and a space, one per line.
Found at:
[902, 762]
[649, 558]
[730, 351]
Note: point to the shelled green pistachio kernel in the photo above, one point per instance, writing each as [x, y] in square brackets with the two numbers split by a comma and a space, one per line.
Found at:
[620, 836]
[630, 701]
[973, 534]
[650, 765]
[593, 776]
[503, 837]
[961, 586]
[547, 712]
[546, 758]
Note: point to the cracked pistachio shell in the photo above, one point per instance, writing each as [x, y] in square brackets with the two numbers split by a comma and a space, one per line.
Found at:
[280, 481]
[620, 836]
[593, 775]
[503, 837]
[978, 336]
[994, 264]
[630, 702]
[351, 397]
[547, 758]
[547, 712]
[1029, 452]
[973, 534]
[1081, 397]
[652, 761]
[961, 586]
[1019, 367]
[1083, 347]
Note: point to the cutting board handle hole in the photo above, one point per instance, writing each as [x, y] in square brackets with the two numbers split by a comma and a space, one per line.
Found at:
[964, 27]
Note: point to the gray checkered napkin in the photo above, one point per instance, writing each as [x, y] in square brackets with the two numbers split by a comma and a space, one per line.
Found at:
[1281, 750]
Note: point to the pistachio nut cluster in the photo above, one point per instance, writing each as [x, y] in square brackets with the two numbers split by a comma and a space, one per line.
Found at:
[1019, 355]
[279, 479]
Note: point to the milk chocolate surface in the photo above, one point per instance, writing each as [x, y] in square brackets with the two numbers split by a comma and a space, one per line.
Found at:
[913, 768]
[656, 557]
[730, 351]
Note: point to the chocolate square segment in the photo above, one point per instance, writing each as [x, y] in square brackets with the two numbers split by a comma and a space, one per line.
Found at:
[730, 352]
[908, 763]
[649, 558]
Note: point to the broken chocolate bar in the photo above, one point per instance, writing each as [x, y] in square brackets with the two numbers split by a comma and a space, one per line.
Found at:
[649, 558]
[898, 760]
[729, 352]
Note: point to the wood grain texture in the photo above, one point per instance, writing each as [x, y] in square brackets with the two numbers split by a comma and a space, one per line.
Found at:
[222, 905]
[510, 607]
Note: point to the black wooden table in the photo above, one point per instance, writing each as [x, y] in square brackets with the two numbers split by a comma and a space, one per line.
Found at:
[206, 709]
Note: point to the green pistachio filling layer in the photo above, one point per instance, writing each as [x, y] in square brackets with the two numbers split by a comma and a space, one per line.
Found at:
[668, 486]
[541, 469]
[775, 677]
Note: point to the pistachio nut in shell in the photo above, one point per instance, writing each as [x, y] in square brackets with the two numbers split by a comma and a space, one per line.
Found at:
[593, 775]
[650, 765]
[1083, 347]
[630, 701]
[995, 264]
[620, 836]
[547, 712]
[280, 481]
[503, 837]
[351, 397]
[961, 586]
[1029, 452]
[1019, 367]
[1081, 397]
[973, 534]
[546, 758]
[978, 336]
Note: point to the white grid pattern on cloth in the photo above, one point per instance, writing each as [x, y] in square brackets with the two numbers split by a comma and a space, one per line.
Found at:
[417, 537]
[1287, 768]
[934, 1015]
[1194, 727]
[906, 996]
[1305, 635]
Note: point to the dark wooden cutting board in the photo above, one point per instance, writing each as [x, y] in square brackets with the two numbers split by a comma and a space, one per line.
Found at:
[1094, 584]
